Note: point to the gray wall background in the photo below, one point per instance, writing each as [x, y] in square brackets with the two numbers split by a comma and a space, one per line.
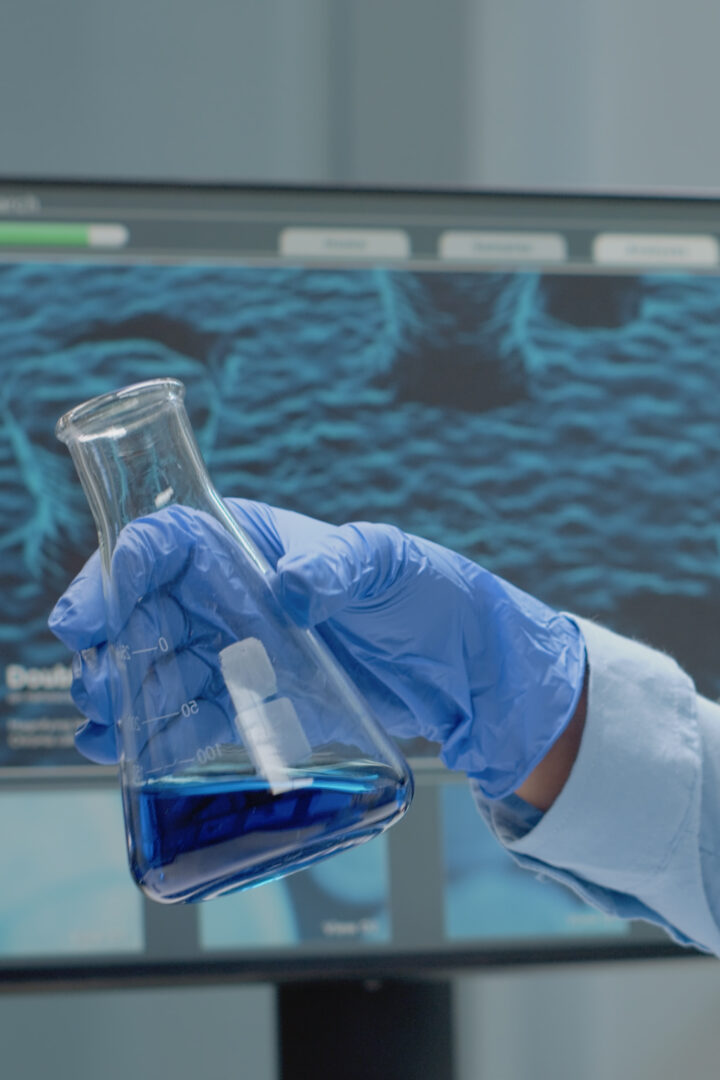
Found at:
[499, 93]
[567, 93]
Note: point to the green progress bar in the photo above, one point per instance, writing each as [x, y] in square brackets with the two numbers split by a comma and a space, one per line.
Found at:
[60, 234]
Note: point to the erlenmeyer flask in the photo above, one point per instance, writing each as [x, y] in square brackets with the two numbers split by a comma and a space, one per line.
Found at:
[245, 750]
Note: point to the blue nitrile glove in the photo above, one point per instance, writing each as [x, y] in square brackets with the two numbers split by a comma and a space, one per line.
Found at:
[440, 647]
[157, 654]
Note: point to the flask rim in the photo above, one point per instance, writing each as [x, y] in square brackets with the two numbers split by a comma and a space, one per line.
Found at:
[106, 411]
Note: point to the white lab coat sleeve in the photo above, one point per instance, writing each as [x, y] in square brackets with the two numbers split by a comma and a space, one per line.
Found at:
[636, 829]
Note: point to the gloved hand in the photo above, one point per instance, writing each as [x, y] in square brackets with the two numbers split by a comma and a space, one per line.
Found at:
[440, 647]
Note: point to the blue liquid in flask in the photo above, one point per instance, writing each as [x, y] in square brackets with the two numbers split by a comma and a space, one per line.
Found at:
[198, 837]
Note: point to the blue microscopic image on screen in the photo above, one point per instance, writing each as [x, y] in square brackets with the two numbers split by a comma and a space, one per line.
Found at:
[66, 889]
[344, 899]
[559, 429]
[487, 896]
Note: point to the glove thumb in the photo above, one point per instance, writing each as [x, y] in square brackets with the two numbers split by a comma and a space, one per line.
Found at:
[78, 618]
[348, 566]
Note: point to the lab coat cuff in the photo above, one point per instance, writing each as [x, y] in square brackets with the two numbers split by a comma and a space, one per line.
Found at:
[628, 797]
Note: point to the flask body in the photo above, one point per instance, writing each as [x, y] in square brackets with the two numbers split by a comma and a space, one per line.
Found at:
[245, 751]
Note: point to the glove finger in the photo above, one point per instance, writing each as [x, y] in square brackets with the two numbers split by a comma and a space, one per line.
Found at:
[172, 688]
[97, 742]
[185, 551]
[354, 564]
[155, 629]
[95, 685]
[150, 553]
[106, 675]
[168, 708]
[155, 549]
[259, 522]
[78, 618]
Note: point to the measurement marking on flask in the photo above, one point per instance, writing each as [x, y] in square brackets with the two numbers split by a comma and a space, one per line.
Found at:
[142, 773]
[159, 769]
[204, 754]
[188, 708]
[162, 645]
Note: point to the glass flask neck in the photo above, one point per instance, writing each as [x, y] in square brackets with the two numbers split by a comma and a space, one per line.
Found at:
[135, 453]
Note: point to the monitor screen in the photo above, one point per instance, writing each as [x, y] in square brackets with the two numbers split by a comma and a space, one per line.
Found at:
[530, 380]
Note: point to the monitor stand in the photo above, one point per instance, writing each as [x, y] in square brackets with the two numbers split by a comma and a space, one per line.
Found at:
[366, 1030]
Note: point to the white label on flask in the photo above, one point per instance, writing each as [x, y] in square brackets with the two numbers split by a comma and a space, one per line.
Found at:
[248, 673]
[270, 730]
[275, 741]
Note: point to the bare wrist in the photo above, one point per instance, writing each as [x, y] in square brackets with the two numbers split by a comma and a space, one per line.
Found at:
[548, 778]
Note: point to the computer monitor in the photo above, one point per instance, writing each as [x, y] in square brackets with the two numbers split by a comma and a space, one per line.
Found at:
[528, 379]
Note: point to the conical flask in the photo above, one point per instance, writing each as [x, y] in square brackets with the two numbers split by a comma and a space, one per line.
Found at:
[246, 752]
